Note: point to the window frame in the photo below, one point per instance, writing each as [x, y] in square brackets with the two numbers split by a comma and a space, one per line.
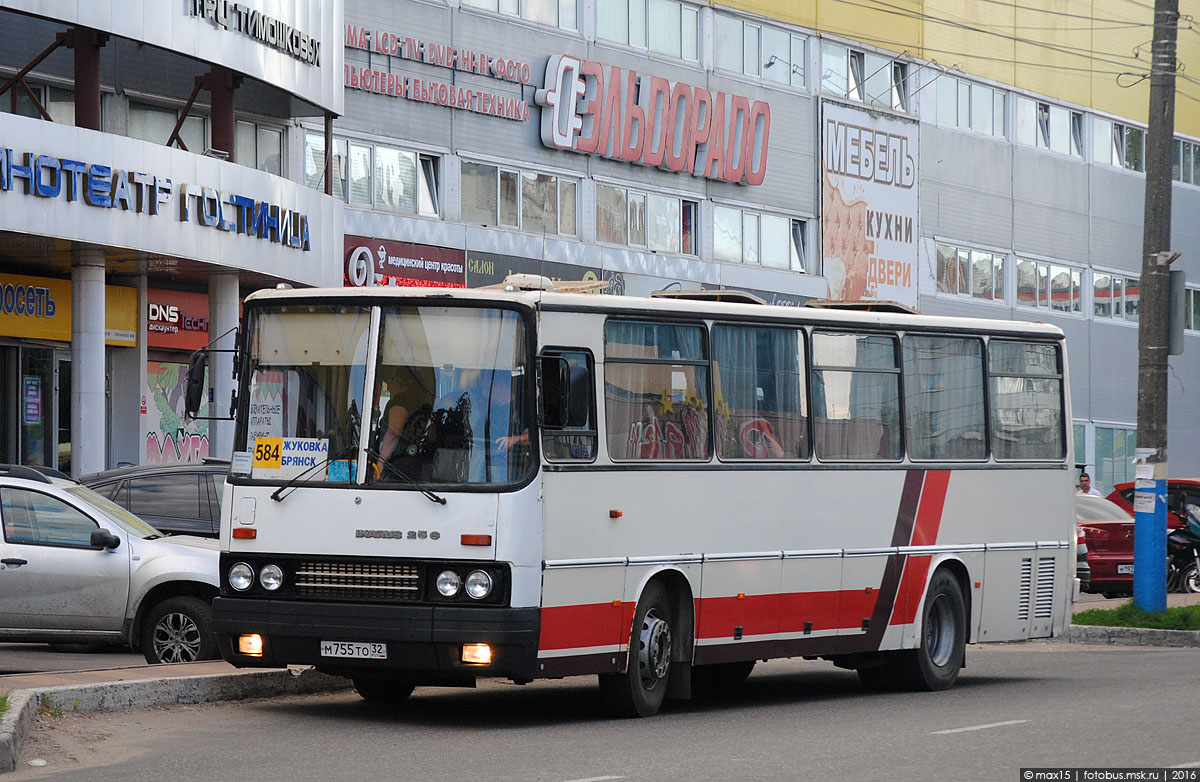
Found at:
[686, 48]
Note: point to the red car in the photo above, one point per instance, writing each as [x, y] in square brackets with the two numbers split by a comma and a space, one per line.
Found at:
[1108, 531]
[1180, 493]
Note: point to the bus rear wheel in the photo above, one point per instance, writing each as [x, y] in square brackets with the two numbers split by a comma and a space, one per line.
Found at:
[639, 691]
[935, 663]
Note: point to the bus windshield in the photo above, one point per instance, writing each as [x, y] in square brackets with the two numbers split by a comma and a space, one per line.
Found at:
[448, 404]
[450, 397]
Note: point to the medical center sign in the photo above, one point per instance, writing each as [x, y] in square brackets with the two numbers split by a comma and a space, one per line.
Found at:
[680, 128]
[869, 205]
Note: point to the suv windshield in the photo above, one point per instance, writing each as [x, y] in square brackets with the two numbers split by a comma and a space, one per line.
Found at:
[450, 397]
[449, 405]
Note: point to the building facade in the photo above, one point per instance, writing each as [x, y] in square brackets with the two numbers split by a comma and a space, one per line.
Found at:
[981, 159]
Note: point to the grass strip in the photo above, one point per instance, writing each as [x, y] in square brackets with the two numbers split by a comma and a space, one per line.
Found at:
[1129, 615]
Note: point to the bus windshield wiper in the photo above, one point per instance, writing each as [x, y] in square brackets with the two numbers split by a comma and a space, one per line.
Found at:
[386, 465]
[278, 494]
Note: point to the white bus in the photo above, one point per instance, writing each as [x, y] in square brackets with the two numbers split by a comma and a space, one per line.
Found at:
[431, 486]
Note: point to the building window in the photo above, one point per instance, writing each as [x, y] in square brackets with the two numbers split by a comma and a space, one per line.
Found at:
[866, 77]
[1115, 296]
[974, 107]
[58, 103]
[258, 146]
[1046, 126]
[511, 198]
[375, 176]
[639, 219]
[975, 273]
[1115, 446]
[663, 26]
[744, 236]
[555, 13]
[1192, 316]
[155, 123]
[1048, 285]
[757, 50]
[1115, 144]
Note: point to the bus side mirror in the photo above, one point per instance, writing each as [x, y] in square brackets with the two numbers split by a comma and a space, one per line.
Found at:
[194, 394]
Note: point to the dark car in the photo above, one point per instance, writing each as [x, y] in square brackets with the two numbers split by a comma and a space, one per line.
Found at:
[1181, 492]
[1108, 532]
[174, 498]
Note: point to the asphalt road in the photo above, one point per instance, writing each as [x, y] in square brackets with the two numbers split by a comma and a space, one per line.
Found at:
[1016, 706]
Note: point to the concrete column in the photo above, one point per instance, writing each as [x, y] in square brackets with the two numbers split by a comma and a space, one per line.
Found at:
[222, 317]
[88, 428]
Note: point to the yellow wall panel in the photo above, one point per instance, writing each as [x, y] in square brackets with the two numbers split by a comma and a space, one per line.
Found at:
[1070, 50]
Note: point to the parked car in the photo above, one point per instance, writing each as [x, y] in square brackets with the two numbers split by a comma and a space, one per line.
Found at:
[78, 568]
[1180, 493]
[1108, 533]
[174, 498]
[1083, 571]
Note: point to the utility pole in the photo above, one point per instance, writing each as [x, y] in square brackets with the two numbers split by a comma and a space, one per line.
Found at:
[1150, 526]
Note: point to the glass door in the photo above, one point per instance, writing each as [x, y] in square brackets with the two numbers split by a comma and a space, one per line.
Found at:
[36, 389]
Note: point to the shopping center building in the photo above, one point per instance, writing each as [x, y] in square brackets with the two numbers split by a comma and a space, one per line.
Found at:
[982, 159]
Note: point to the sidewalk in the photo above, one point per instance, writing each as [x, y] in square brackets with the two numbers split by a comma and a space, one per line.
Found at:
[146, 685]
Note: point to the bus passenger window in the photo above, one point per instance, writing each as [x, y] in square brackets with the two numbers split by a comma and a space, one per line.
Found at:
[569, 406]
[656, 391]
[856, 397]
[760, 401]
[943, 397]
[1025, 390]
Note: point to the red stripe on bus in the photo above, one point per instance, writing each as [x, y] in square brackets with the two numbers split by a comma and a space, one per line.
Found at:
[912, 586]
[572, 627]
[929, 514]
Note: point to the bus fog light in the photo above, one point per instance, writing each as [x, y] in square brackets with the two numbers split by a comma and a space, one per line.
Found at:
[479, 584]
[448, 583]
[479, 654]
[250, 645]
[271, 577]
[241, 576]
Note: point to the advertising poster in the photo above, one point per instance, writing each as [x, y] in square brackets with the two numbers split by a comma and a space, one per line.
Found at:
[869, 205]
[371, 262]
[491, 269]
[169, 438]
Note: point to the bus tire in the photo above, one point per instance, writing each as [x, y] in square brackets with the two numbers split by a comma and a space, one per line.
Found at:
[720, 680]
[639, 691]
[382, 690]
[934, 665]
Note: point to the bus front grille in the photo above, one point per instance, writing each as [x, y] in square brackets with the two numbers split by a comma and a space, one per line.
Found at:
[373, 583]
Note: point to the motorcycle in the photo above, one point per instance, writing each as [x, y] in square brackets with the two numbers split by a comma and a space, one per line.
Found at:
[1183, 554]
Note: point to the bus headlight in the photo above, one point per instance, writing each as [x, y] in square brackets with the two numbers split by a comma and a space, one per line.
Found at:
[241, 576]
[448, 583]
[271, 577]
[479, 584]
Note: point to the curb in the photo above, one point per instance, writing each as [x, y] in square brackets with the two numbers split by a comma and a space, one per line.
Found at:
[23, 705]
[1131, 636]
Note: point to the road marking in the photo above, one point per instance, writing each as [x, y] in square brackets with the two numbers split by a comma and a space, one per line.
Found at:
[978, 727]
[594, 779]
[1187, 765]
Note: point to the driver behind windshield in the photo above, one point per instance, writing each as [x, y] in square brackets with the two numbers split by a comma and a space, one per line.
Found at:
[405, 416]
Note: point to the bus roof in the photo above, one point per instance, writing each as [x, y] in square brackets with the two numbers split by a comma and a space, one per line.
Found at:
[643, 306]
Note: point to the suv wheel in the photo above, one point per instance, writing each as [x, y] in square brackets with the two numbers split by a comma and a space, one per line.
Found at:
[179, 630]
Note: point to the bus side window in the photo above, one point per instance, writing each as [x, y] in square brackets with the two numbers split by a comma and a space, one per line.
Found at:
[568, 401]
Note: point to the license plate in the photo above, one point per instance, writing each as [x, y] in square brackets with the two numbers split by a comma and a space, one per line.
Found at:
[1125, 570]
[355, 649]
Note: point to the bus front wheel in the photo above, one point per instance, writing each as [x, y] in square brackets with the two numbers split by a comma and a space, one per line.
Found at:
[639, 691]
[382, 690]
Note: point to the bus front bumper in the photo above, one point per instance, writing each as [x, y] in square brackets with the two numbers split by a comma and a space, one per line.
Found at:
[423, 644]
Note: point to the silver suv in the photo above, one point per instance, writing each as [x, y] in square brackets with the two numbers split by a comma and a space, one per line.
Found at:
[76, 567]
